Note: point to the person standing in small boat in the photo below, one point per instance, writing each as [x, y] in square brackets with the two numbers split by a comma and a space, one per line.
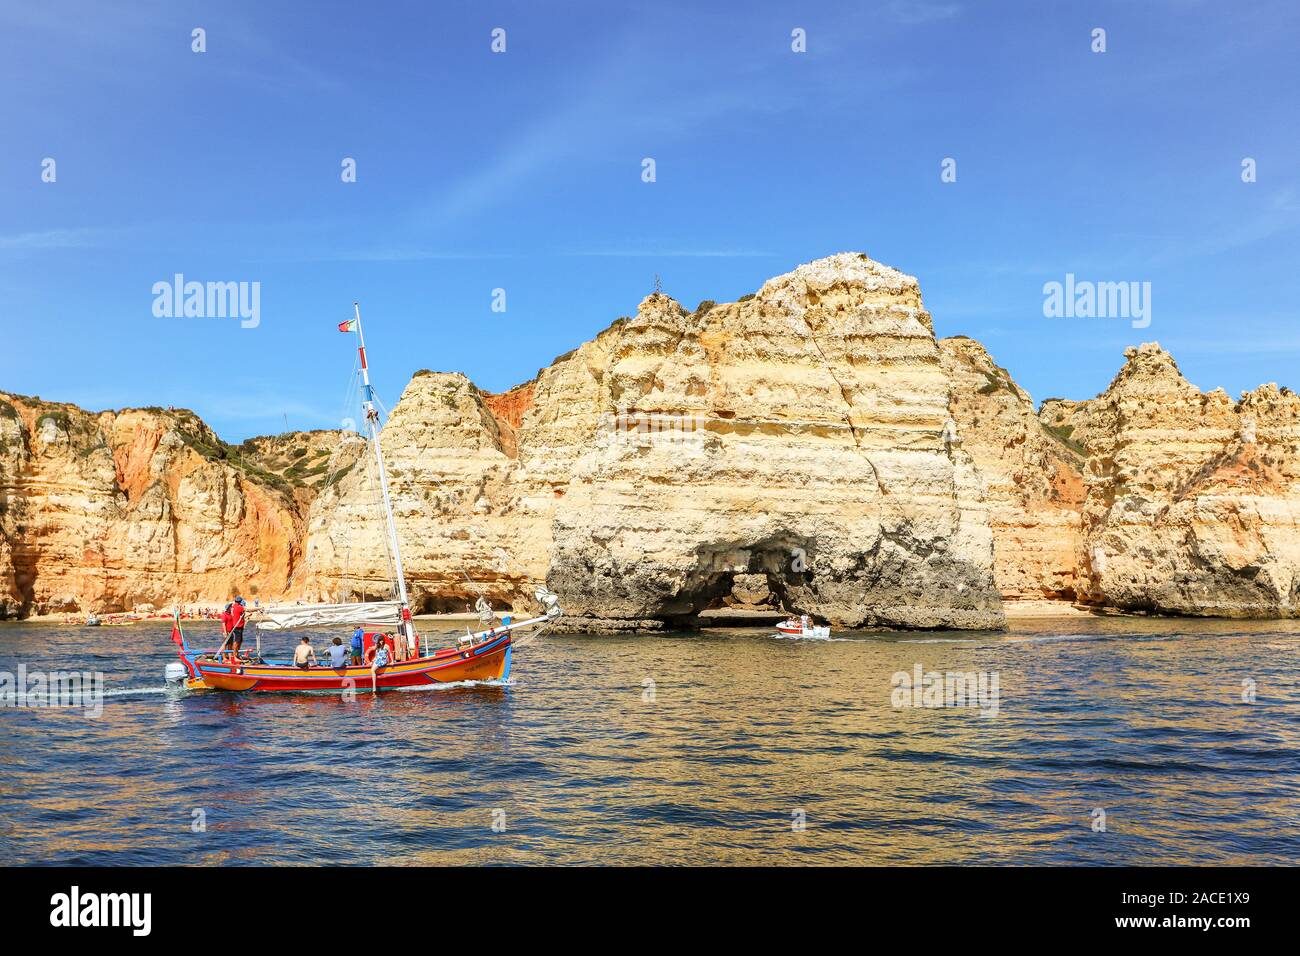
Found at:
[304, 655]
[358, 644]
[237, 625]
[224, 618]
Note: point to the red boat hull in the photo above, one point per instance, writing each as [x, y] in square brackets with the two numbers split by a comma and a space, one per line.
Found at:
[488, 660]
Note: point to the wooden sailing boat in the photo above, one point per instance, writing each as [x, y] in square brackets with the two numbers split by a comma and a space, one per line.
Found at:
[481, 656]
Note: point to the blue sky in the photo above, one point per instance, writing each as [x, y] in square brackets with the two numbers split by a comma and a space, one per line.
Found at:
[522, 171]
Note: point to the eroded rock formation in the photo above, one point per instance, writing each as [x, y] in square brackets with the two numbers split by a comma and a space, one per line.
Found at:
[1193, 502]
[1032, 474]
[810, 447]
[105, 511]
[798, 434]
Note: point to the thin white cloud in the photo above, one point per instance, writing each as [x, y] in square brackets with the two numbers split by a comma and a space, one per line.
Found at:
[1281, 215]
[916, 12]
[75, 238]
[619, 108]
[385, 254]
[669, 252]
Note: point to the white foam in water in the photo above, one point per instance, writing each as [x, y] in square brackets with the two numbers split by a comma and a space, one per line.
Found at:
[458, 683]
[69, 699]
[136, 690]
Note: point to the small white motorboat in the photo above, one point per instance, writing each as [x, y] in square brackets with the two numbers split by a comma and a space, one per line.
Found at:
[803, 627]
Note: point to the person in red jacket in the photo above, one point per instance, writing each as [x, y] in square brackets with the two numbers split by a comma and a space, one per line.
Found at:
[237, 625]
[224, 618]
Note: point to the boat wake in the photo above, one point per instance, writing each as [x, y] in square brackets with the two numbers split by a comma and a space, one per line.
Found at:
[452, 685]
[65, 698]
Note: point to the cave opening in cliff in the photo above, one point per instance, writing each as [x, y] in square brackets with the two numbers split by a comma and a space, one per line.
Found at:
[742, 587]
[460, 602]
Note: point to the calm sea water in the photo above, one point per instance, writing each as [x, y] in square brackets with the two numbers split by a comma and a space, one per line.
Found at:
[743, 738]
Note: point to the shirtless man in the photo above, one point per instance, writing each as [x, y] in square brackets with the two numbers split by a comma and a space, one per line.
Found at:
[304, 655]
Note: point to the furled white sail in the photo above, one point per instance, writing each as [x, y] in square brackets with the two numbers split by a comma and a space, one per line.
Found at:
[284, 617]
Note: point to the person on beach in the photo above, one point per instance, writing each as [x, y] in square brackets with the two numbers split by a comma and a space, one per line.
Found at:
[379, 658]
[338, 653]
[304, 655]
[358, 645]
[237, 625]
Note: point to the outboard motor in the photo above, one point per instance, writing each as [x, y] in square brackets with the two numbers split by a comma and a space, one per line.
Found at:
[175, 672]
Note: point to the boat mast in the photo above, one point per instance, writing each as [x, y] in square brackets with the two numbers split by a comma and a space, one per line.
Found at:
[372, 423]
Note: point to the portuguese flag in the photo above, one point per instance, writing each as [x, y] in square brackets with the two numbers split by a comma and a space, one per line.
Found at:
[349, 326]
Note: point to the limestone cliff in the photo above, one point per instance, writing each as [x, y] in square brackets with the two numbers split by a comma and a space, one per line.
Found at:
[810, 446]
[1032, 471]
[1151, 497]
[799, 434]
[463, 528]
[1193, 503]
[105, 511]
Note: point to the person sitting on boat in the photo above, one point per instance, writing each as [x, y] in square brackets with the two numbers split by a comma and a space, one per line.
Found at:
[304, 655]
[379, 658]
[338, 653]
[358, 644]
[237, 625]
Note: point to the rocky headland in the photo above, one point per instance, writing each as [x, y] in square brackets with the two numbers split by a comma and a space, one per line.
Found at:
[811, 447]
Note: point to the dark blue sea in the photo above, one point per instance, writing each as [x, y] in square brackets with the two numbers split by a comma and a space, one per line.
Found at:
[1114, 741]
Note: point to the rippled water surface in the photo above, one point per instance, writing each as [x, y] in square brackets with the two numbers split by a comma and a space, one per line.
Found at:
[740, 736]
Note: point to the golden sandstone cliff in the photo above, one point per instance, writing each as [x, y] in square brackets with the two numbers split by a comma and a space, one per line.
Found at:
[814, 436]
[110, 510]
